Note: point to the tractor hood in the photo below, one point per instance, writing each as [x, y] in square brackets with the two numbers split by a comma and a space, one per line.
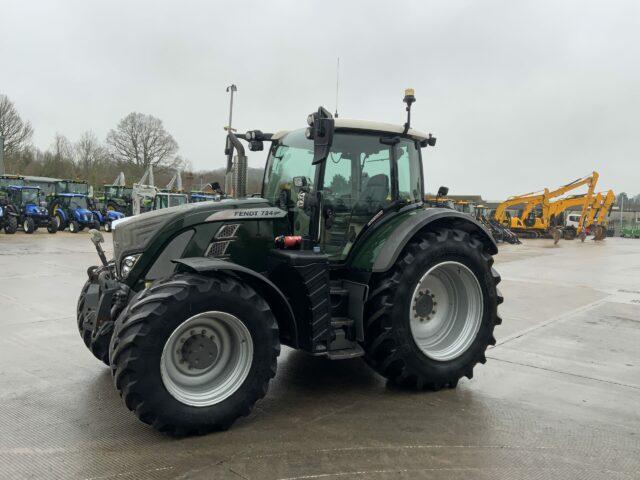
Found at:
[83, 215]
[35, 210]
[134, 234]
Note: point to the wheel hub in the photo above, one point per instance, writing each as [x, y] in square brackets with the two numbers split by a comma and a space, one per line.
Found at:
[424, 305]
[199, 350]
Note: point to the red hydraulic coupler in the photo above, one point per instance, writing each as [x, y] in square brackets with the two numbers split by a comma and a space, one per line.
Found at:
[288, 241]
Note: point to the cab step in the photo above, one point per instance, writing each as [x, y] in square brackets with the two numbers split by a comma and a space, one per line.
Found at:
[346, 353]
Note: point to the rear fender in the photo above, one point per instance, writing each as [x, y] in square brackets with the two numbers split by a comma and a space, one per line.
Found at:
[383, 246]
[265, 287]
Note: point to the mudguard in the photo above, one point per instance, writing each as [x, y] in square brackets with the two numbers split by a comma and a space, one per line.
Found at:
[98, 216]
[384, 243]
[272, 294]
[62, 213]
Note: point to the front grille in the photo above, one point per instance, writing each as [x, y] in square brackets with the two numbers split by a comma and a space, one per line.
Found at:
[217, 249]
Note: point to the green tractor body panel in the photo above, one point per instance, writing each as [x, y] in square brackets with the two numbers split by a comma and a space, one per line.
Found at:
[196, 229]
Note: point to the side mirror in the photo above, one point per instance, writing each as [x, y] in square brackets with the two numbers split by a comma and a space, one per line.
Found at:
[256, 146]
[96, 236]
[443, 191]
[320, 130]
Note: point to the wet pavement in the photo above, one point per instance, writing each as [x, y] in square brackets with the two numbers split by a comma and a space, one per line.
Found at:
[558, 398]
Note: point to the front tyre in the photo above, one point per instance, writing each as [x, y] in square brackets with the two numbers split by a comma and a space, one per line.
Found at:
[431, 317]
[29, 226]
[74, 227]
[191, 353]
[107, 226]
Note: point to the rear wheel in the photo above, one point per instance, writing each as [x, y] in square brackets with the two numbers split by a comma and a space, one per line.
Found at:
[12, 225]
[431, 318]
[29, 226]
[191, 354]
[52, 226]
[59, 222]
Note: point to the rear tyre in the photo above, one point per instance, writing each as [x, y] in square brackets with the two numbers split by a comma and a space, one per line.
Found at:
[191, 353]
[430, 319]
[73, 226]
[52, 226]
[29, 226]
[12, 225]
[59, 222]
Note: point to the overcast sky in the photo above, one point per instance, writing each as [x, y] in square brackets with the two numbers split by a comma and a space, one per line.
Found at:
[520, 94]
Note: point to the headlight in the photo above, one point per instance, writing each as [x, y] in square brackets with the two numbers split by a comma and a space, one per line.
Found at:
[127, 264]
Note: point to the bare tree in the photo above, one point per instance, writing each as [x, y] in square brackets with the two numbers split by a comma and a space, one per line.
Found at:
[17, 134]
[141, 140]
[90, 155]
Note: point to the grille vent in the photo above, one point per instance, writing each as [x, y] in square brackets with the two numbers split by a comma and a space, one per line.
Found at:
[218, 249]
[227, 231]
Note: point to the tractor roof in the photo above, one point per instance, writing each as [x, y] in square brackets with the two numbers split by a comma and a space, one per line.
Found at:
[24, 187]
[71, 195]
[365, 125]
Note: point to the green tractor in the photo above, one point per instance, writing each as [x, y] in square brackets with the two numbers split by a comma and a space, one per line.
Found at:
[118, 198]
[339, 257]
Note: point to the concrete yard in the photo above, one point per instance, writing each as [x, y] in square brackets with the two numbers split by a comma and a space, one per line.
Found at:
[559, 397]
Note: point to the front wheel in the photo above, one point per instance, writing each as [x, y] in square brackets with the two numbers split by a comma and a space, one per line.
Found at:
[430, 318]
[74, 227]
[191, 354]
[29, 226]
[107, 226]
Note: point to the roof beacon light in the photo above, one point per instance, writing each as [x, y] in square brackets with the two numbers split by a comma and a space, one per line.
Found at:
[409, 98]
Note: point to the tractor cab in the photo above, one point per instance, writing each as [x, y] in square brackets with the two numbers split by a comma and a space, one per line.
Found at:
[71, 186]
[167, 199]
[370, 169]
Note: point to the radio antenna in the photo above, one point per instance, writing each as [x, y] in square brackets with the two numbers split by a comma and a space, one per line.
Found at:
[337, 86]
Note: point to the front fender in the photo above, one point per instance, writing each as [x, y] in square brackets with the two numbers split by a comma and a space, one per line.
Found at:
[269, 291]
[381, 247]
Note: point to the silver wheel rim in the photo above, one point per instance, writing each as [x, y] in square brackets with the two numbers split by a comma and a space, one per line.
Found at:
[446, 311]
[25, 225]
[206, 359]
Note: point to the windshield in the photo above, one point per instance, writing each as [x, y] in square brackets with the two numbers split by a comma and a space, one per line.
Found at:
[78, 202]
[289, 158]
[72, 187]
[30, 195]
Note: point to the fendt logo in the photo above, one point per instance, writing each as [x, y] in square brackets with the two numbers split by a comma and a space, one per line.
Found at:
[246, 213]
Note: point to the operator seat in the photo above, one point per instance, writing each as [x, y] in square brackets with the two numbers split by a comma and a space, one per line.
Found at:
[374, 194]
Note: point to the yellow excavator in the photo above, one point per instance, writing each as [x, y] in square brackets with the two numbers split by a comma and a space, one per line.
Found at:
[534, 219]
[598, 208]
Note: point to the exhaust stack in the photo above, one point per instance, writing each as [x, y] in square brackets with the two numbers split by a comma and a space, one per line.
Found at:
[235, 178]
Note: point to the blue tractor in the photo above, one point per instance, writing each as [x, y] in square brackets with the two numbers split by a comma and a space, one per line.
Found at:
[105, 217]
[24, 202]
[72, 210]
